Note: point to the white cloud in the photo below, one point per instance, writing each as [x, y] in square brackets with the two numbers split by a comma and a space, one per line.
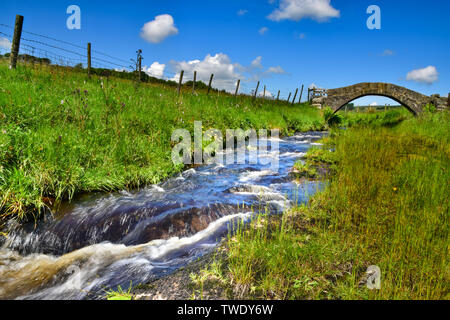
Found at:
[263, 30]
[226, 73]
[5, 43]
[312, 86]
[427, 75]
[257, 63]
[374, 104]
[388, 52]
[320, 10]
[276, 70]
[159, 29]
[155, 70]
[268, 94]
[242, 12]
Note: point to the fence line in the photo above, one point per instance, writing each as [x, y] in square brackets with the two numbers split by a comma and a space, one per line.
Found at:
[233, 86]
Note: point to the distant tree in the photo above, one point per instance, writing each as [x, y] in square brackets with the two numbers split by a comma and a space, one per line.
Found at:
[350, 107]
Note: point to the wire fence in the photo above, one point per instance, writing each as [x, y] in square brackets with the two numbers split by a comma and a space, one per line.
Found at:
[61, 52]
[39, 48]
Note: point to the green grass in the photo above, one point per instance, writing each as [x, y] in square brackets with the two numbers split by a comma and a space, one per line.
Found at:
[62, 134]
[390, 117]
[120, 294]
[386, 205]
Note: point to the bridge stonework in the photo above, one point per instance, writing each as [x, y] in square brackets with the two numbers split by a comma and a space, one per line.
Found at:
[412, 100]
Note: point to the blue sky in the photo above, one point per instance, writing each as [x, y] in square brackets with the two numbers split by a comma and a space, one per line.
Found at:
[283, 43]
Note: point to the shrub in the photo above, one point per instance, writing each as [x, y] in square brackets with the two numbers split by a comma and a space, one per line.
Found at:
[331, 118]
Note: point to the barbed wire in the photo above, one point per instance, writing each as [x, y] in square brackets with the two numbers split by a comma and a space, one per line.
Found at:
[55, 47]
[46, 37]
[246, 87]
[53, 57]
[71, 44]
[5, 25]
[109, 56]
[6, 34]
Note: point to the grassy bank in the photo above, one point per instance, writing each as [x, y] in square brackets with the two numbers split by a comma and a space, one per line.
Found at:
[62, 134]
[386, 205]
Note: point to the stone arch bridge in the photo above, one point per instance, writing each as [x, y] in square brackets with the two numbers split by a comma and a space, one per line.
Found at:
[412, 100]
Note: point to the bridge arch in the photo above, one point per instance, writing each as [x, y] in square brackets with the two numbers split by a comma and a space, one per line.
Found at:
[337, 109]
[412, 100]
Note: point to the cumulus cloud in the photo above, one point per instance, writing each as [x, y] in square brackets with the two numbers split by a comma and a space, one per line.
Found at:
[312, 86]
[5, 43]
[426, 75]
[319, 10]
[226, 73]
[242, 12]
[155, 70]
[374, 104]
[160, 28]
[263, 30]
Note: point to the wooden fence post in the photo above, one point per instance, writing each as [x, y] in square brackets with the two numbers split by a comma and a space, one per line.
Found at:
[448, 101]
[264, 94]
[278, 96]
[210, 83]
[180, 82]
[15, 48]
[256, 91]
[89, 63]
[140, 68]
[237, 88]
[301, 94]
[193, 84]
[295, 96]
[289, 98]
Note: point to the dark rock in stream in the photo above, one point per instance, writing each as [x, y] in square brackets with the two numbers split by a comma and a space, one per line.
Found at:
[129, 226]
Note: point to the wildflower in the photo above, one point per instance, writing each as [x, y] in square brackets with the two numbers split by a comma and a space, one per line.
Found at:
[62, 101]
[3, 131]
[395, 189]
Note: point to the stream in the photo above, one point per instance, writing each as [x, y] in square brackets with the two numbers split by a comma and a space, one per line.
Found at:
[102, 241]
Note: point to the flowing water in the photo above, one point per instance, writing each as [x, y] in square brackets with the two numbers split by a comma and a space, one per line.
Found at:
[102, 241]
